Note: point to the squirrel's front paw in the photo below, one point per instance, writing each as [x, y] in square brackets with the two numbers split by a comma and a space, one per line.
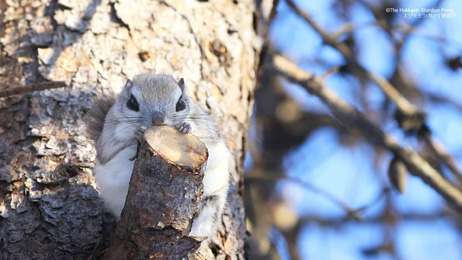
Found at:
[184, 127]
[139, 131]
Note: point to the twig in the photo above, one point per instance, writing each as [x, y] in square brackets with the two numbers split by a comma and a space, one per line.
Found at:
[405, 107]
[345, 50]
[349, 27]
[32, 87]
[329, 72]
[353, 118]
[442, 100]
[351, 213]
[440, 151]
[344, 30]
[336, 222]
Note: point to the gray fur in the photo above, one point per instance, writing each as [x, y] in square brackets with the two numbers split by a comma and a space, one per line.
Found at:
[119, 129]
[156, 99]
[95, 118]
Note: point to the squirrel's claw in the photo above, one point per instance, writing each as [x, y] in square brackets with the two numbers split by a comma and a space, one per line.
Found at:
[184, 127]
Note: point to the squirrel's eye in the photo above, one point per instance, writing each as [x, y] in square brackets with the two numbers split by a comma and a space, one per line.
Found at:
[180, 105]
[132, 104]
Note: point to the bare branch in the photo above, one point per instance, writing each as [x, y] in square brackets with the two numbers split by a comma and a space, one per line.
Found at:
[443, 100]
[442, 155]
[402, 103]
[406, 108]
[311, 187]
[351, 212]
[32, 87]
[352, 117]
[380, 220]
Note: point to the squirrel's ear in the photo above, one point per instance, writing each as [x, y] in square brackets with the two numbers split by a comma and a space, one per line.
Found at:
[129, 84]
[181, 84]
[128, 87]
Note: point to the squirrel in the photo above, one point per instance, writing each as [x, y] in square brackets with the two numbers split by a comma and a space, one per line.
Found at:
[116, 124]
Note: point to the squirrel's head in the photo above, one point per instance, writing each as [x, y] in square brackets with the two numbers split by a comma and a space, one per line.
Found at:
[154, 99]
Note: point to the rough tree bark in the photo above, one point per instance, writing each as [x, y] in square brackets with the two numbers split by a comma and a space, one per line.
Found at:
[162, 199]
[49, 206]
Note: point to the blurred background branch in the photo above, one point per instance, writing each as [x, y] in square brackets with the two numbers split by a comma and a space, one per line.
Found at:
[407, 115]
[355, 119]
[320, 171]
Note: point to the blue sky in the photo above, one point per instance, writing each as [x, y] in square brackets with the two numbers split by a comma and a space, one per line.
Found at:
[349, 173]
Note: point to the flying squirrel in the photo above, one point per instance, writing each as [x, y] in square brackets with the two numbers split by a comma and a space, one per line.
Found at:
[116, 124]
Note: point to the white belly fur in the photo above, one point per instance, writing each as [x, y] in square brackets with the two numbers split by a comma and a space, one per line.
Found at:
[113, 179]
[216, 175]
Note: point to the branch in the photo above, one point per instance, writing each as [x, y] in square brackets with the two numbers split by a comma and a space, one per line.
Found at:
[32, 87]
[345, 50]
[162, 199]
[443, 100]
[408, 111]
[353, 118]
[378, 220]
[308, 186]
[351, 213]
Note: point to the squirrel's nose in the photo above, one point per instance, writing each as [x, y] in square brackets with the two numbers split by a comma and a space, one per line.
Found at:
[157, 121]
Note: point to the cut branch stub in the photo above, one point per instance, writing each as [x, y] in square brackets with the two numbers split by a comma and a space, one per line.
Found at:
[177, 148]
[163, 197]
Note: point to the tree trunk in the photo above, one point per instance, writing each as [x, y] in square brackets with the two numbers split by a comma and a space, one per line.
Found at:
[49, 206]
